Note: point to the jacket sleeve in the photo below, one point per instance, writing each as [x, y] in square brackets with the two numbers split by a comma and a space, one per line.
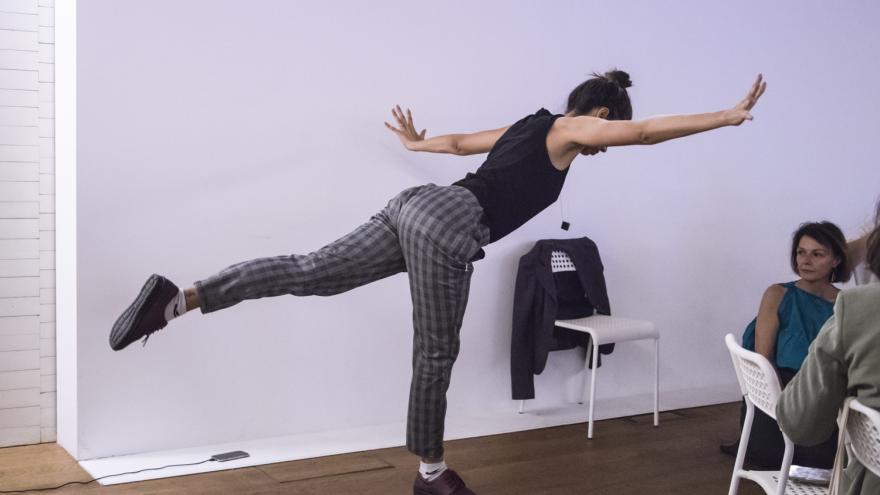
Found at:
[522, 335]
[807, 410]
[545, 308]
[545, 305]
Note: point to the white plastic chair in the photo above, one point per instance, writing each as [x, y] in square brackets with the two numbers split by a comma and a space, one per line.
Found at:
[863, 435]
[760, 388]
[861, 431]
[606, 330]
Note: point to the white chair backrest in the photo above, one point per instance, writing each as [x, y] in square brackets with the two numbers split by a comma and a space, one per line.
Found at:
[757, 378]
[561, 262]
[863, 432]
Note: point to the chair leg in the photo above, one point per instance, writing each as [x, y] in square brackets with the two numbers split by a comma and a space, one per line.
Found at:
[743, 446]
[656, 382]
[586, 370]
[786, 463]
[593, 389]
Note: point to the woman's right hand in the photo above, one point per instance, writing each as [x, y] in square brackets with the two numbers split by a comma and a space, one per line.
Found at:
[405, 129]
[740, 113]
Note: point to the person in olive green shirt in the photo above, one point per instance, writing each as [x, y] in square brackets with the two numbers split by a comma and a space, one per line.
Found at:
[843, 361]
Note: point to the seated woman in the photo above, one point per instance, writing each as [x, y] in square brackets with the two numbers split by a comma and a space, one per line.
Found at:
[788, 321]
[842, 362]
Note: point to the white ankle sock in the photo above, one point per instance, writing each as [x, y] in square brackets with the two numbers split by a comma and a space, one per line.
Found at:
[430, 472]
[176, 307]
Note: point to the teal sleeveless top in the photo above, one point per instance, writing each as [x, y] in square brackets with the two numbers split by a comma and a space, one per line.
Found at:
[801, 316]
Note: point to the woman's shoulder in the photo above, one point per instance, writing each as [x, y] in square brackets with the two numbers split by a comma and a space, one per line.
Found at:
[530, 123]
[774, 295]
[777, 291]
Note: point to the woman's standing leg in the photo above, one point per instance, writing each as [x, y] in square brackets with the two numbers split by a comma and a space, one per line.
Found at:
[440, 231]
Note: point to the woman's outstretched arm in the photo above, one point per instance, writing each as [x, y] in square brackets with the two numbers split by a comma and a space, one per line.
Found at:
[599, 133]
[456, 144]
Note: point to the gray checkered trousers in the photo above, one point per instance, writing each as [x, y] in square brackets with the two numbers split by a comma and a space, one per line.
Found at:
[431, 233]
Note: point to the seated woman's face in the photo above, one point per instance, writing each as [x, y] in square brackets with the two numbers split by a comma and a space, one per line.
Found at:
[815, 261]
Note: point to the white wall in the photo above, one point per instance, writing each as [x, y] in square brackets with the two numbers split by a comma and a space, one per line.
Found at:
[27, 223]
[211, 132]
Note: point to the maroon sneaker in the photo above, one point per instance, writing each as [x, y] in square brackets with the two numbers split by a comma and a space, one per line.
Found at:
[448, 483]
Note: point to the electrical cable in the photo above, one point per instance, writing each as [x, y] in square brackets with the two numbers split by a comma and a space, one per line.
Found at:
[102, 477]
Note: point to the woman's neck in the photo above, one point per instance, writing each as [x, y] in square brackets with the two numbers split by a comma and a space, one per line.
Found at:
[819, 288]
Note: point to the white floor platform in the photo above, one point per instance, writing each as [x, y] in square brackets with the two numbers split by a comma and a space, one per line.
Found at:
[294, 447]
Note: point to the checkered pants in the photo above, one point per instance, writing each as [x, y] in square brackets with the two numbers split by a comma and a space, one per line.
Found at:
[430, 232]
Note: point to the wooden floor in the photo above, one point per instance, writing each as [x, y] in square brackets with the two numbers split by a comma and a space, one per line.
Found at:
[626, 456]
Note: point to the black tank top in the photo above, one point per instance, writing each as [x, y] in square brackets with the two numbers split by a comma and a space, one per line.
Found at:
[517, 180]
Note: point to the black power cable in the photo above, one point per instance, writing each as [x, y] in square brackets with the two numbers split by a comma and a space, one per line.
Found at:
[102, 477]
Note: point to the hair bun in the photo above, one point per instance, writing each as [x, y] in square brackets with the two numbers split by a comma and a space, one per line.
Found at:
[620, 77]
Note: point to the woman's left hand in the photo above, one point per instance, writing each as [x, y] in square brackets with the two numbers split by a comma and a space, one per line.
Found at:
[740, 113]
[405, 129]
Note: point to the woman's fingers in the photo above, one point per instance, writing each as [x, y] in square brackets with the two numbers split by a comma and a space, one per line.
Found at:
[403, 119]
[398, 114]
[761, 91]
[394, 129]
[757, 90]
[409, 120]
[404, 122]
[756, 86]
[412, 126]
[405, 126]
[753, 98]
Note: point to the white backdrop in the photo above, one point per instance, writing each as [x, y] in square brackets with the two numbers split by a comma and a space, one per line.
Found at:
[210, 132]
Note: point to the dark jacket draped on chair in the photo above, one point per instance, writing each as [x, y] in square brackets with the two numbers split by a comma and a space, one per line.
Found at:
[542, 297]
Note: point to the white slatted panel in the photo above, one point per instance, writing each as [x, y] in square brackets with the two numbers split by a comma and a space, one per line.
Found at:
[46, 133]
[27, 222]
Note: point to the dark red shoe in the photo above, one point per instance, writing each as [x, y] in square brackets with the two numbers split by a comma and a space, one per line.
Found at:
[448, 483]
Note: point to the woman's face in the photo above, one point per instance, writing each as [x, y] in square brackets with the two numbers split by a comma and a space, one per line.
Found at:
[815, 261]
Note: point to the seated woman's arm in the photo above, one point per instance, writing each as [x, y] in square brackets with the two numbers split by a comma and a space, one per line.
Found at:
[807, 410]
[767, 323]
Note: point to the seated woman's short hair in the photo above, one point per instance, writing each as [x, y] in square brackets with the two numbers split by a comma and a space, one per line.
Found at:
[830, 236]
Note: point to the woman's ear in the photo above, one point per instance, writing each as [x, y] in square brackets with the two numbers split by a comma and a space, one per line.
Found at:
[602, 112]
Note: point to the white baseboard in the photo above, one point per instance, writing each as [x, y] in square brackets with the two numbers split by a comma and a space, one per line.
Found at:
[304, 446]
